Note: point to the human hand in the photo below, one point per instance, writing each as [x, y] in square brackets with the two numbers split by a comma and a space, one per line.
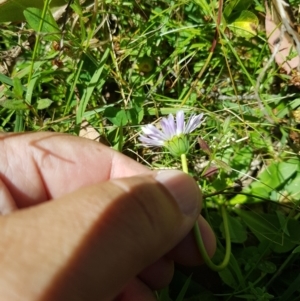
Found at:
[110, 232]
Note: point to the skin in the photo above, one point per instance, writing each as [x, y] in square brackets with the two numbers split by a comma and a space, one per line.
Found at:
[82, 222]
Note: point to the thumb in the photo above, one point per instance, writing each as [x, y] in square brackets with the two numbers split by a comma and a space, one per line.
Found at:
[89, 243]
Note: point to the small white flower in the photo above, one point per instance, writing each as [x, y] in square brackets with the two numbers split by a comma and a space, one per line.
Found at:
[173, 133]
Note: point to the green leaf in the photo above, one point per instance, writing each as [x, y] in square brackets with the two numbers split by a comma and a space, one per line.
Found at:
[229, 8]
[94, 82]
[6, 80]
[238, 199]
[242, 160]
[293, 187]
[228, 278]
[19, 123]
[261, 189]
[49, 28]
[30, 88]
[274, 176]
[277, 173]
[296, 250]
[44, 103]
[245, 24]
[266, 227]
[238, 233]
[234, 7]
[116, 116]
[12, 10]
[18, 88]
[267, 267]
[183, 291]
[135, 115]
[13, 104]
[283, 222]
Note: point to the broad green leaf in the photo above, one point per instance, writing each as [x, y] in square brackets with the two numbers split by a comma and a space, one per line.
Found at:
[242, 160]
[266, 227]
[12, 10]
[50, 29]
[245, 24]
[283, 222]
[261, 189]
[259, 140]
[239, 199]
[135, 115]
[293, 187]
[228, 278]
[274, 176]
[237, 231]
[30, 88]
[117, 116]
[18, 88]
[13, 104]
[278, 173]
[261, 226]
[234, 7]
[6, 80]
[289, 242]
[43, 103]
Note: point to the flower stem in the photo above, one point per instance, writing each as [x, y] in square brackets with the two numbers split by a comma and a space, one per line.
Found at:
[198, 237]
[202, 249]
[184, 163]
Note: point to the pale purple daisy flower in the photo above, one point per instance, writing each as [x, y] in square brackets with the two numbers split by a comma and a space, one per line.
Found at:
[173, 133]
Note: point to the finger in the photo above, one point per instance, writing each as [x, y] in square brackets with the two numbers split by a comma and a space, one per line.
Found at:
[41, 166]
[136, 290]
[159, 274]
[7, 203]
[90, 242]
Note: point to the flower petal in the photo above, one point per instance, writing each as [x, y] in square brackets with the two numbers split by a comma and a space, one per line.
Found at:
[170, 129]
[150, 142]
[179, 122]
[151, 130]
[168, 126]
[193, 122]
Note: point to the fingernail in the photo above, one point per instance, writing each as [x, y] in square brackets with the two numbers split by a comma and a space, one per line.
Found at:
[183, 188]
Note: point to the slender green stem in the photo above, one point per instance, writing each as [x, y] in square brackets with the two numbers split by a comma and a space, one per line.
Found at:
[38, 38]
[198, 237]
[202, 249]
[75, 81]
[184, 163]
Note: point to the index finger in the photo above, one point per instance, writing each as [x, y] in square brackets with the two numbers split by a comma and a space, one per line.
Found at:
[37, 167]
